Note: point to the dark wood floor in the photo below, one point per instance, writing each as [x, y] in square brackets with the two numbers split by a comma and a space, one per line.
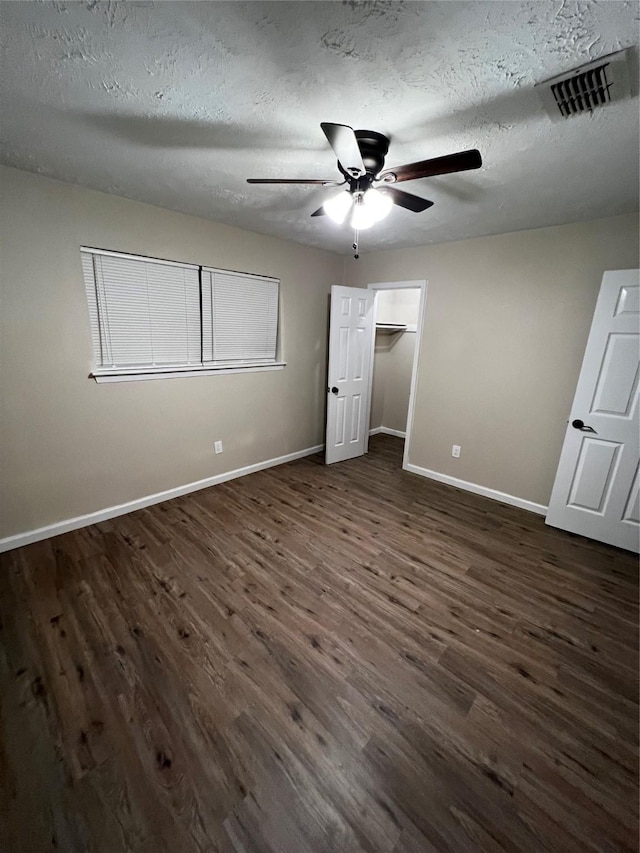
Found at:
[345, 658]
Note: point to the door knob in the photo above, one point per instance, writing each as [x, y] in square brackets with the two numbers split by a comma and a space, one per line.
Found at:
[335, 390]
[578, 424]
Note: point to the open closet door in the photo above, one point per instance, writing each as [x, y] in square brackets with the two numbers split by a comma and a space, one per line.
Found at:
[351, 328]
[596, 488]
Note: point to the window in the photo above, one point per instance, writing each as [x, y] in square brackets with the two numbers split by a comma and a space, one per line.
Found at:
[156, 318]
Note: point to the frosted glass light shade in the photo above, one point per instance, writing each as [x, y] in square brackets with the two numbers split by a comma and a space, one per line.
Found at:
[339, 206]
[379, 204]
[362, 217]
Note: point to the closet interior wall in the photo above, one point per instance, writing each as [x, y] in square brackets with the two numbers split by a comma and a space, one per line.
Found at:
[393, 359]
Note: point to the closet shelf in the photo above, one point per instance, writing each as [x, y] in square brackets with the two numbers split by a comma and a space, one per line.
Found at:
[390, 328]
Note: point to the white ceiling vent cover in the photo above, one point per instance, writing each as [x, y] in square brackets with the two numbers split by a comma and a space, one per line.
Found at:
[587, 88]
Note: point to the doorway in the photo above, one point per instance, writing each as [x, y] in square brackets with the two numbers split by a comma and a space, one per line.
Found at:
[352, 335]
[399, 310]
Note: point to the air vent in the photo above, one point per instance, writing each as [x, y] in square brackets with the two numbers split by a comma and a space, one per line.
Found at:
[587, 88]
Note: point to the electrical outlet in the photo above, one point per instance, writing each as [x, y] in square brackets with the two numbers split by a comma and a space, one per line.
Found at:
[455, 451]
[218, 446]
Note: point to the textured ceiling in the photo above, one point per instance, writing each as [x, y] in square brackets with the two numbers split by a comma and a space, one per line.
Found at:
[176, 103]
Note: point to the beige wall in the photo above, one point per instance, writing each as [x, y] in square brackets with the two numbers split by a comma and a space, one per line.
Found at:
[379, 385]
[398, 306]
[398, 384]
[505, 328]
[506, 323]
[69, 446]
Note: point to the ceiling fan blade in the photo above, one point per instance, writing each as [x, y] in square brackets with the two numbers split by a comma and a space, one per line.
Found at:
[407, 200]
[319, 212]
[345, 146]
[460, 162]
[292, 181]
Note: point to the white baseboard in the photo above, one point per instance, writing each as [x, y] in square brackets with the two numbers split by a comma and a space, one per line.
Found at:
[20, 539]
[478, 490]
[387, 431]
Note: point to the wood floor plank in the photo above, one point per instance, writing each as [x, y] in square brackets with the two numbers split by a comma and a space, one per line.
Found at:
[320, 659]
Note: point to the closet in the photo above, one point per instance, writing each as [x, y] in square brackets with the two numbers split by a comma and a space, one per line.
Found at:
[396, 324]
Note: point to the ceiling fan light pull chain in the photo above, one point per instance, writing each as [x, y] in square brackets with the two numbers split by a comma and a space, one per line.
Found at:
[356, 236]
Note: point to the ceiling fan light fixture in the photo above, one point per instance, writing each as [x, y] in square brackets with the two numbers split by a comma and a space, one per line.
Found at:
[378, 203]
[338, 207]
[362, 217]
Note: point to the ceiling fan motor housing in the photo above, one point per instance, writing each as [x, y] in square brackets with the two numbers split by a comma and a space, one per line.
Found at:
[373, 147]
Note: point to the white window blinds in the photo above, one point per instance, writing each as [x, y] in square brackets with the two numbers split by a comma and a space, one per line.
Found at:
[142, 312]
[239, 317]
[154, 314]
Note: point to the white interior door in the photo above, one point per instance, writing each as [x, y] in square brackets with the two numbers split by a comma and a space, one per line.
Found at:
[596, 487]
[351, 328]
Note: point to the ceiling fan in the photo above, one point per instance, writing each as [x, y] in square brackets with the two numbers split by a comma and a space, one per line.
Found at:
[369, 196]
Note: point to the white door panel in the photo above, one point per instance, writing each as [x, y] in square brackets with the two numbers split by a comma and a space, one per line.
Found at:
[596, 488]
[350, 353]
[618, 381]
[594, 474]
[632, 504]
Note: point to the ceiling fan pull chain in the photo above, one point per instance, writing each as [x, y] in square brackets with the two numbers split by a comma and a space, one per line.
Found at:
[356, 235]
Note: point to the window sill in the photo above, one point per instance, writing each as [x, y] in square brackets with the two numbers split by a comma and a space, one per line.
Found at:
[133, 375]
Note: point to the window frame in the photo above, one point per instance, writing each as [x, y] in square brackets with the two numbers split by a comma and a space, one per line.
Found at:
[133, 373]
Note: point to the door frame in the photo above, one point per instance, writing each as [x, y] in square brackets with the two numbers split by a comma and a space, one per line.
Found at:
[416, 284]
